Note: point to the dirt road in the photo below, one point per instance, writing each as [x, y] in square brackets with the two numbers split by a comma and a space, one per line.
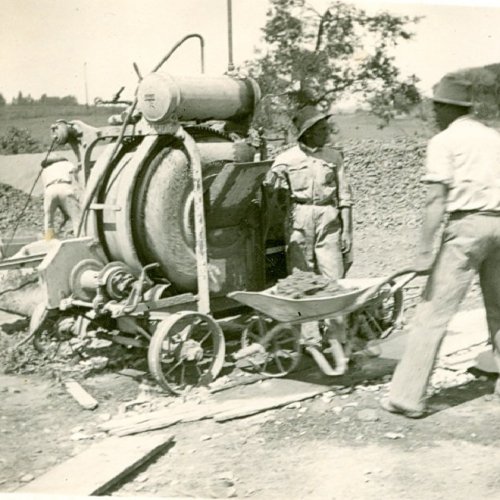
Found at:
[338, 445]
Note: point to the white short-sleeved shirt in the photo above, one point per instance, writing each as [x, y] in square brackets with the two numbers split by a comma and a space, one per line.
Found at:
[466, 157]
[59, 171]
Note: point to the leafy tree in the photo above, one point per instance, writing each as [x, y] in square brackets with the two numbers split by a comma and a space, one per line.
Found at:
[313, 57]
[3, 102]
[22, 100]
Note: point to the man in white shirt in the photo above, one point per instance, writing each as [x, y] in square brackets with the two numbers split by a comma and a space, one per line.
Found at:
[60, 181]
[463, 177]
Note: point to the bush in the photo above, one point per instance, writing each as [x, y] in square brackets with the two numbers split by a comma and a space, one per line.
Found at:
[18, 141]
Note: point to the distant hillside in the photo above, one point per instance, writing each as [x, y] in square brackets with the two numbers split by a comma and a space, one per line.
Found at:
[486, 89]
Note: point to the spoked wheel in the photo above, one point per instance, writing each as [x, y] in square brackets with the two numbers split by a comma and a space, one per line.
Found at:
[255, 331]
[379, 318]
[279, 350]
[187, 349]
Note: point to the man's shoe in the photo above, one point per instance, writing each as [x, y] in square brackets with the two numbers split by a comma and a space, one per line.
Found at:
[392, 408]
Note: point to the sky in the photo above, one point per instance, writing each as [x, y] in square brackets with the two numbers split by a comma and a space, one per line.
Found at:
[55, 46]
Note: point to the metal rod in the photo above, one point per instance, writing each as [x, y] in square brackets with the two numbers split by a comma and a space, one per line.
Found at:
[193, 154]
[230, 64]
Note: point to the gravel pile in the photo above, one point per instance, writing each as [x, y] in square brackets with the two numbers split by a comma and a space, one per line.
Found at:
[12, 202]
[385, 177]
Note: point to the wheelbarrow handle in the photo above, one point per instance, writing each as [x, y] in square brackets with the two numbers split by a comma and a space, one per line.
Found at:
[410, 275]
[370, 292]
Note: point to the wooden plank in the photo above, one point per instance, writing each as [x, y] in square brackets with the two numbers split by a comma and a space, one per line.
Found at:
[99, 468]
[266, 403]
[83, 398]
[161, 420]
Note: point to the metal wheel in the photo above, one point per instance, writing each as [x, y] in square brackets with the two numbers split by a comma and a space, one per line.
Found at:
[187, 349]
[279, 352]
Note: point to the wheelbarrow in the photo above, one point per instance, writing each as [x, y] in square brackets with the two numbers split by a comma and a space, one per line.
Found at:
[272, 344]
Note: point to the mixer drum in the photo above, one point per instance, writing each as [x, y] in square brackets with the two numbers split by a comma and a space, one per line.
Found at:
[160, 221]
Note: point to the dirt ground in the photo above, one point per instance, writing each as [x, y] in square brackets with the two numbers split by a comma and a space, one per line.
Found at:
[336, 446]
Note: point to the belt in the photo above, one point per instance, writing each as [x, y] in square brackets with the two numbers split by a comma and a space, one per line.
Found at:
[458, 214]
[58, 181]
[329, 203]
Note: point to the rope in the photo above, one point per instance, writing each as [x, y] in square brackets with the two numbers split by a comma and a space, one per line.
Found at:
[21, 215]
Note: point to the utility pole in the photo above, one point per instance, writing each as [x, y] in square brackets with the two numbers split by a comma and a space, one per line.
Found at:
[230, 64]
[86, 86]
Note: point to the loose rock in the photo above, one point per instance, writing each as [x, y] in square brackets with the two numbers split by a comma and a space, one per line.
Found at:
[368, 415]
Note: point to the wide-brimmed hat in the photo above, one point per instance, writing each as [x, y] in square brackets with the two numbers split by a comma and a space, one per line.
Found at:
[308, 116]
[453, 90]
[52, 158]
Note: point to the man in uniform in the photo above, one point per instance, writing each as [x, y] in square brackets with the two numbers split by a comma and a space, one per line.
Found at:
[311, 178]
[463, 177]
[60, 181]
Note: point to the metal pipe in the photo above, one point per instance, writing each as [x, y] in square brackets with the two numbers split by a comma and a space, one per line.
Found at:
[177, 45]
[230, 64]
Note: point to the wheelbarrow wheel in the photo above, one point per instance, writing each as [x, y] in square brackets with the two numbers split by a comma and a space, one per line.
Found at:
[255, 331]
[187, 349]
[381, 316]
[279, 351]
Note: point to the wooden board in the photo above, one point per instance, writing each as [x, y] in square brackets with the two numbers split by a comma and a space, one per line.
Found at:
[100, 467]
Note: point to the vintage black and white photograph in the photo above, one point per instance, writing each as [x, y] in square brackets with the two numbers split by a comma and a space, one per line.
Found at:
[250, 249]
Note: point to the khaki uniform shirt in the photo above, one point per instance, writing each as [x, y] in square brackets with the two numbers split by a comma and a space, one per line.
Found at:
[312, 176]
[466, 157]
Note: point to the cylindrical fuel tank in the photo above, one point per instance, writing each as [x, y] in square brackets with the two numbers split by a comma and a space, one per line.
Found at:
[162, 96]
[150, 215]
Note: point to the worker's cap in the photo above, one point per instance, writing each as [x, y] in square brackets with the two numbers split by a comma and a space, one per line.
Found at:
[306, 117]
[52, 158]
[453, 90]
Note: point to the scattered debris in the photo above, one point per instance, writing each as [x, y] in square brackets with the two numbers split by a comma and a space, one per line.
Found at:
[394, 435]
[80, 436]
[132, 372]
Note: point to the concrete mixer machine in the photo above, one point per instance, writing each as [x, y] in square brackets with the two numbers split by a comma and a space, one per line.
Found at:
[172, 222]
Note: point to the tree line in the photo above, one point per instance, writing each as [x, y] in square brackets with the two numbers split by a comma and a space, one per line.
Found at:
[44, 100]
